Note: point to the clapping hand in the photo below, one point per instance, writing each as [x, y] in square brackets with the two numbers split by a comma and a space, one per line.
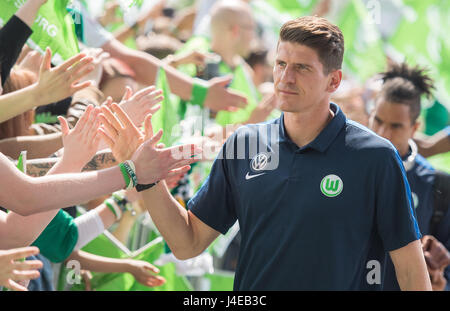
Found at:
[57, 83]
[142, 103]
[81, 142]
[152, 162]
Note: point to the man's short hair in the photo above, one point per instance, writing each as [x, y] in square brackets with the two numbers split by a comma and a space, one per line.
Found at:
[319, 34]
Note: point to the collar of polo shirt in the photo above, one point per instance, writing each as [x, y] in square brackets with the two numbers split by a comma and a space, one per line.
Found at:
[325, 137]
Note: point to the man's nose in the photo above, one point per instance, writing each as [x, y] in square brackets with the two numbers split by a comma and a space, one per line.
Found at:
[288, 76]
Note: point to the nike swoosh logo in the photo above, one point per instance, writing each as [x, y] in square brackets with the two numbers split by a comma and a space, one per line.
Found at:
[248, 177]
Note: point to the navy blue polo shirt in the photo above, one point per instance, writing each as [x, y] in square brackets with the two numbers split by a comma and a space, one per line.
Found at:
[315, 219]
[421, 179]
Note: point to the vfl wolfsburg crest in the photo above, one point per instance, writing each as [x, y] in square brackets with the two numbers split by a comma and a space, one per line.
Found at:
[331, 185]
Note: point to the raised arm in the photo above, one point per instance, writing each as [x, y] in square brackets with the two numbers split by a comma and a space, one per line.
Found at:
[40, 167]
[54, 84]
[21, 230]
[37, 146]
[436, 144]
[26, 195]
[81, 145]
[14, 34]
[27, 13]
[146, 66]
[125, 32]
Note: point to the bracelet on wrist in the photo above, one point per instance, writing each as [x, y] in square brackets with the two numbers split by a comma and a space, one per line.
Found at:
[129, 174]
[112, 205]
[132, 172]
[125, 175]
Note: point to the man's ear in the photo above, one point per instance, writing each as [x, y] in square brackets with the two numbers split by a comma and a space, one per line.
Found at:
[335, 80]
[415, 128]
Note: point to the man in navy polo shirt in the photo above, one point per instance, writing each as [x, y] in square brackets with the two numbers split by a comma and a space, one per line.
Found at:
[319, 199]
[395, 118]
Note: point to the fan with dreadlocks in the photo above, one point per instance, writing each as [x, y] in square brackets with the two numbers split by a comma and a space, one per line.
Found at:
[405, 85]
[398, 104]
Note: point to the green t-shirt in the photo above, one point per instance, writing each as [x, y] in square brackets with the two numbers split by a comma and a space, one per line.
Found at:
[59, 238]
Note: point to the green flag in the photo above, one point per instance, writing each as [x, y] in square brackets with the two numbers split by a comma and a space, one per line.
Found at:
[364, 55]
[52, 28]
[295, 8]
[272, 14]
[168, 117]
[422, 37]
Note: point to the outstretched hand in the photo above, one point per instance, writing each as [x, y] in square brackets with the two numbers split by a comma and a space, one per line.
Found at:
[142, 103]
[193, 57]
[61, 82]
[263, 110]
[81, 143]
[143, 273]
[127, 141]
[119, 132]
[98, 56]
[219, 97]
[13, 271]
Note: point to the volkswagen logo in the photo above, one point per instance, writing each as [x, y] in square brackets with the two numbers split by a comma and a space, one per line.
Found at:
[259, 162]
